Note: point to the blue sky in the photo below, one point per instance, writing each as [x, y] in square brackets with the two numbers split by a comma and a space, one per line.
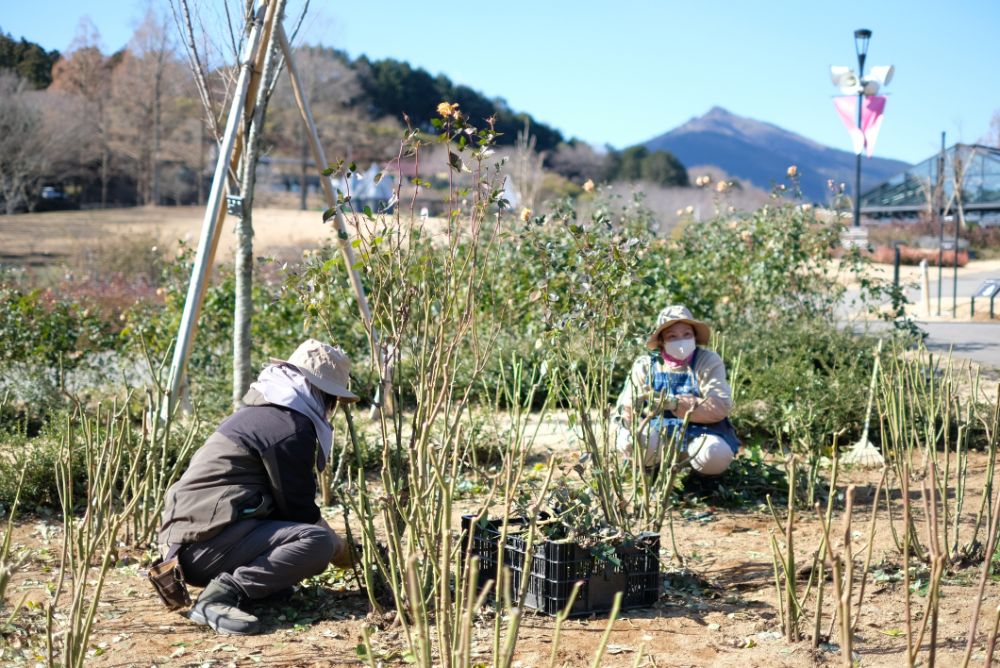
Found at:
[625, 71]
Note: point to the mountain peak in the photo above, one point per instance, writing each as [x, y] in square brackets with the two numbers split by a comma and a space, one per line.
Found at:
[719, 112]
[723, 121]
[761, 152]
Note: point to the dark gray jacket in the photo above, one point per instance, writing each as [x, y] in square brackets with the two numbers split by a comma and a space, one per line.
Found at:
[258, 464]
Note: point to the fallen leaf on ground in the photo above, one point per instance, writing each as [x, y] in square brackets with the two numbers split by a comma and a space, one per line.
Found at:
[618, 649]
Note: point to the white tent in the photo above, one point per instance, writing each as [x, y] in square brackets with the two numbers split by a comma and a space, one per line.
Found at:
[510, 193]
[364, 190]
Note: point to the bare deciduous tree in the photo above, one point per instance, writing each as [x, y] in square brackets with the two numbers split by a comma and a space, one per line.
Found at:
[578, 161]
[86, 73]
[268, 68]
[992, 136]
[254, 125]
[144, 87]
[330, 85]
[36, 138]
[21, 133]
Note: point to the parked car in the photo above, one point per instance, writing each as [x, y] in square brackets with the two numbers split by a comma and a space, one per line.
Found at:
[53, 198]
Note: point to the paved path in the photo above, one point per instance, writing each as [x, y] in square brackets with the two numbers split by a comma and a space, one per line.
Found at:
[975, 340]
[979, 341]
[967, 284]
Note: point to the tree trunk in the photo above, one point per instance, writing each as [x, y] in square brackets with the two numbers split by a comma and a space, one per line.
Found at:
[105, 169]
[157, 131]
[201, 164]
[304, 174]
[243, 315]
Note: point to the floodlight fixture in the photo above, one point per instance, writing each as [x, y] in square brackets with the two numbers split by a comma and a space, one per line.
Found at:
[881, 73]
[845, 79]
[837, 72]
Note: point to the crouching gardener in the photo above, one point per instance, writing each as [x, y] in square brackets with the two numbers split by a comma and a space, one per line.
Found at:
[243, 520]
[690, 382]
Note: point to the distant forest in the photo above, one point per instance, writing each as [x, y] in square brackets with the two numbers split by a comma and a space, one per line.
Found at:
[92, 125]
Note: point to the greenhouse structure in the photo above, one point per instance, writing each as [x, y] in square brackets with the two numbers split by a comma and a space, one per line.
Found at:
[967, 176]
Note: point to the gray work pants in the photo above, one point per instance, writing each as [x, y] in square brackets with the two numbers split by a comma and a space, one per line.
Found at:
[259, 557]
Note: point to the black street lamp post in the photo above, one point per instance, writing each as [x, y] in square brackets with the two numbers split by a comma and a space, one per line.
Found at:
[861, 39]
[863, 85]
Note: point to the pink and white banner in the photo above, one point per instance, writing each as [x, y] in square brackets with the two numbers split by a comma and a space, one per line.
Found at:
[872, 108]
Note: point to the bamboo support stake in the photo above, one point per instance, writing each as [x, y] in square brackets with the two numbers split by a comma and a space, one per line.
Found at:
[212, 223]
[343, 238]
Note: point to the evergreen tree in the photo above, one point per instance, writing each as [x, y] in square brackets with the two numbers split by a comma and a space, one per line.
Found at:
[638, 163]
[30, 61]
[394, 88]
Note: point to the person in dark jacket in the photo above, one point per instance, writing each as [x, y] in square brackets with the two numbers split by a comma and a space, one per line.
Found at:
[243, 519]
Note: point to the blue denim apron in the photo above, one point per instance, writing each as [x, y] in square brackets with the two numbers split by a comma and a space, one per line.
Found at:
[684, 384]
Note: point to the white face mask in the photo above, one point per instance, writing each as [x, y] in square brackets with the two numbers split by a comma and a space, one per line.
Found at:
[679, 349]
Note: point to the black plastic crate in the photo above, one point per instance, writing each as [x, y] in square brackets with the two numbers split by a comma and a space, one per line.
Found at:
[557, 566]
[485, 539]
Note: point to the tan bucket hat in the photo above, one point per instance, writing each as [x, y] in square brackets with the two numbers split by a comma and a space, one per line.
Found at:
[672, 315]
[325, 366]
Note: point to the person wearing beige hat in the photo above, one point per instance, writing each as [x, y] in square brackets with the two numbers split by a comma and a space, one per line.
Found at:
[681, 387]
[242, 520]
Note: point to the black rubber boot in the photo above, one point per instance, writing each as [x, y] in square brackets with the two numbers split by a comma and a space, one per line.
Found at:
[274, 600]
[218, 607]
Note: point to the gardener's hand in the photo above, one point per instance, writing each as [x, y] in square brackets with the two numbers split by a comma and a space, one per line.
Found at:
[341, 557]
[664, 402]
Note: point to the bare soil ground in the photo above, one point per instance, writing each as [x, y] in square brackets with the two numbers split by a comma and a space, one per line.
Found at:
[718, 611]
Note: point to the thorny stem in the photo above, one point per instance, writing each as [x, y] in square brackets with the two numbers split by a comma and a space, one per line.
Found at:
[991, 646]
[872, 526]
[560, 618]
[615, 607]
[983, 578]
[792, 629]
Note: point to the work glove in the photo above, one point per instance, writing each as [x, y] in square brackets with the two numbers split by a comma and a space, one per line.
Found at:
[342, 555]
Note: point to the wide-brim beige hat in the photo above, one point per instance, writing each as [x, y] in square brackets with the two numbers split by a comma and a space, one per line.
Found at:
[325, 366]
[673, 315]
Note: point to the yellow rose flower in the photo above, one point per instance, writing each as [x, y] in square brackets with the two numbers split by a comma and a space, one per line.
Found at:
[447, 110]
[588, 186]
[525, 214]
[793, 172]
